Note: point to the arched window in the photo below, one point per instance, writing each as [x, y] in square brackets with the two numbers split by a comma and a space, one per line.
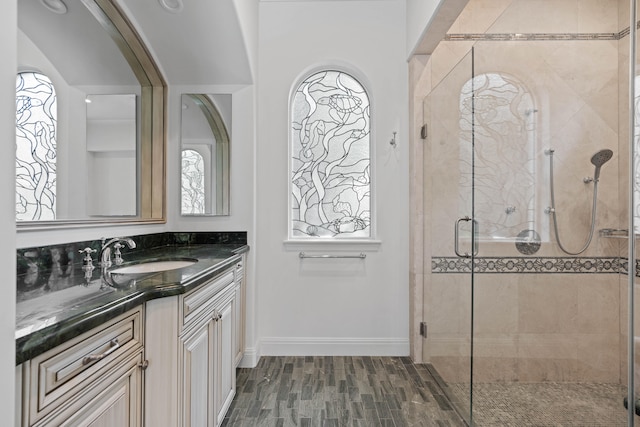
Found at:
[193, 186]
[498, 112]
[330, 161]
[36, 131]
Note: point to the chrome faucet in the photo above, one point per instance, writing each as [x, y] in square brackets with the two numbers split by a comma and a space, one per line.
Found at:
[105, 252]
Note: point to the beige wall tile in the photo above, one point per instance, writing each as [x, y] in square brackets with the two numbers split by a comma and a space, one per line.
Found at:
[479, 15]
[598, 358]
[547, 305]
[496, 304]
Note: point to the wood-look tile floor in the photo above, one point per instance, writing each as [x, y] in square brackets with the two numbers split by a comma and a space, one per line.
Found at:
[339, 391]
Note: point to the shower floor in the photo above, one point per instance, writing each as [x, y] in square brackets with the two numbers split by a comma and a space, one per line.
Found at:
[545, 404]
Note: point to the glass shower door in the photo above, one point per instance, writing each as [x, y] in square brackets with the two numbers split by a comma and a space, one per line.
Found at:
[449, 250]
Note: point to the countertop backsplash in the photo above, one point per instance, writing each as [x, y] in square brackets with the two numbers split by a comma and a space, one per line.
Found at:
[49, 268]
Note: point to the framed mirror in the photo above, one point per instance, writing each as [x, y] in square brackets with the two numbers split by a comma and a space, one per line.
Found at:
[205, 141]
[90, 107]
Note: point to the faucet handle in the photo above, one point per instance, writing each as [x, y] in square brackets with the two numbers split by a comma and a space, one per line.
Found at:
[117, 253]
[87, 255]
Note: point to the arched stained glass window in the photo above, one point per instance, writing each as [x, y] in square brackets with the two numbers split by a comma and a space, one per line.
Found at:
[36, 132]
[330, 161]
[193, 198]
[499, 111]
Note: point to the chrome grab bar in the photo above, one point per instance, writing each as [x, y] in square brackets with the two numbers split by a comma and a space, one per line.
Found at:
[113, 346]
[304, 255]
[475, 237]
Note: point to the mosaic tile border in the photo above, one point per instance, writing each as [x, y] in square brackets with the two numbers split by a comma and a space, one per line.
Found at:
[538, 36]
[538, 265]
[534, 36]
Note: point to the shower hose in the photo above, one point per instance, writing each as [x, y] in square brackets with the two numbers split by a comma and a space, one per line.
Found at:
[555, 220]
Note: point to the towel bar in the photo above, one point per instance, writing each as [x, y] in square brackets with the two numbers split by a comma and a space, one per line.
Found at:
[360, 256]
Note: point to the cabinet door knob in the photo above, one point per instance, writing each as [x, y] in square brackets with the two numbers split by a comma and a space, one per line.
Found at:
[143, 365]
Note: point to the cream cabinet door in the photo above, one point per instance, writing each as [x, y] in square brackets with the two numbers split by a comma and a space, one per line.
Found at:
[225, 377]
[208, 366]
[197, 376]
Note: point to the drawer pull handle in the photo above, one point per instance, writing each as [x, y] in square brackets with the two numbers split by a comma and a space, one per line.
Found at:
[113, 346]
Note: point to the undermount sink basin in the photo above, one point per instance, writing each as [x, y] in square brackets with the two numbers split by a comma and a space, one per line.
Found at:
[154, 266]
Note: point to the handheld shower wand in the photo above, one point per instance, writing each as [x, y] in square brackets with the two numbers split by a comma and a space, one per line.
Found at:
[598, 159]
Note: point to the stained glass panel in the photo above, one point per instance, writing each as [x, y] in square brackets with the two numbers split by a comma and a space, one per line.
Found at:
[502, 121]
[193, 201]
[330, 161]
[36, 126]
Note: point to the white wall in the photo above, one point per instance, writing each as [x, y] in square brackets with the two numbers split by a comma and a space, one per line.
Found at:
[247, 11]
[8, 51]
[332, 306]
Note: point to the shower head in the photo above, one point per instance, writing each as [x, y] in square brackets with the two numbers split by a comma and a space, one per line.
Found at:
[599, 159]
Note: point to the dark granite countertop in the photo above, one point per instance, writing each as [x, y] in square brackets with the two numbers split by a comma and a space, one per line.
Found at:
[45, 319]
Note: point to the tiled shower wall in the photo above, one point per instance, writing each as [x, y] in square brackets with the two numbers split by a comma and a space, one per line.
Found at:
[533, 325]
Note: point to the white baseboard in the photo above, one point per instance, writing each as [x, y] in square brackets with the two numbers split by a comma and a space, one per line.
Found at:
[249, 358]
[303, 346]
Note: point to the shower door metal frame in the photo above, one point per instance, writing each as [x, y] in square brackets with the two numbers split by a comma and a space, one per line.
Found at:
[631, 250]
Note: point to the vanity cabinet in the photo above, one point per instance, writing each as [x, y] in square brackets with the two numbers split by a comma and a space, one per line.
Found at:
[191, 344]
[171, 361]
[94, 379]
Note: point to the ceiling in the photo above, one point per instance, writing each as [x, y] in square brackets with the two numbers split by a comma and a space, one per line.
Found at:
[75, 43]
[202, 44]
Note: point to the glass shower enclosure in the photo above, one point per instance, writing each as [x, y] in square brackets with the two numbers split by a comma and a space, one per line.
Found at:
[524, 330]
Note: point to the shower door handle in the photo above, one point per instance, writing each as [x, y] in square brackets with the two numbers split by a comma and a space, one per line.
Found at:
[457, 235]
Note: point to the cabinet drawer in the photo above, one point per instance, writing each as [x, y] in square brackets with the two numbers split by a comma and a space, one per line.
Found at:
[114, 400]
[200, 301]
[61, 373]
